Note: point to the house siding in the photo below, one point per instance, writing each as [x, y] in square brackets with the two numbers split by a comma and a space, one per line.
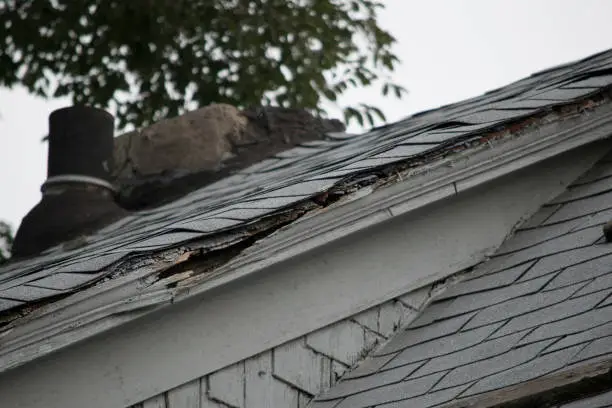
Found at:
[291, 374]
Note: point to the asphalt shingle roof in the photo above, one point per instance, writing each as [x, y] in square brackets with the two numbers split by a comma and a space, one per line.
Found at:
[291, 179]
[541, 304]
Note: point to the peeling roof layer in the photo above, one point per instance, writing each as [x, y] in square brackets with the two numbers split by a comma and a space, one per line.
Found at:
[302, 178]
[541, 305]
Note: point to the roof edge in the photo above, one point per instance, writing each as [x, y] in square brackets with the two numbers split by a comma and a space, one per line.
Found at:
[127, 298]
[580, 381]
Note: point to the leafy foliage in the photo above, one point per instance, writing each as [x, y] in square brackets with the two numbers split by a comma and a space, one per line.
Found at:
[6, 241]
[150, 59]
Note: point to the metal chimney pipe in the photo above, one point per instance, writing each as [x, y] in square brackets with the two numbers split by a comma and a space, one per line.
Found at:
[80, 146]
[78, 196]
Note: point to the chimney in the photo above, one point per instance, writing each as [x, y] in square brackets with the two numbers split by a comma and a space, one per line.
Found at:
[77, 197]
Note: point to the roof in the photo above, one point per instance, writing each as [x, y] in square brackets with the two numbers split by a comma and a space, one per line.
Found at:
[540, 306]
[217, 222]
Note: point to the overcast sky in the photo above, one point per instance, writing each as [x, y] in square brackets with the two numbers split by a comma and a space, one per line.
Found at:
[451, 50]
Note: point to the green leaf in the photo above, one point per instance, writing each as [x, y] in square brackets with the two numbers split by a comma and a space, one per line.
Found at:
[398, 91]
[150, 62]
[352, 113]
[385, 89]
[369, 117]
[329, 94]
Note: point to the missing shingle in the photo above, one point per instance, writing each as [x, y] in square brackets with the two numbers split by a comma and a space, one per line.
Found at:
[199, 261]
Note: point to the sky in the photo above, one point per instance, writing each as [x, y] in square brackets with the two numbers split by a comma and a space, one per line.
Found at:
[450, 50]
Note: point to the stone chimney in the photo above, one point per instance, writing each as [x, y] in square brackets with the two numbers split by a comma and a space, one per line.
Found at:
[77, 197]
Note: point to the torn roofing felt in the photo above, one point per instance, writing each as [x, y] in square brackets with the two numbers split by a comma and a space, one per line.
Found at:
[531, 326]
[235, 211]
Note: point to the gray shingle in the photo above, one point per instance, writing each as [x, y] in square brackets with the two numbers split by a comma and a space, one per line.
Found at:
[301, 152]
[599, 171]
[592, 82]
[206, 224]
[540, 216]
[556, 262]
[570, 325]
[563, 243]
[483, 368]
[582, 272]
[243, 214]
[524, 372]
[349, 387]
[270, 203]
[91, 263]
[563, 310]
[6, 304]
[335, 174]
[525, 104]
[440, 137]
[404, 151]
[486, 282]
[324, 404]
[428, 400]
[563, 94]
[480, 351]
[599, 347]
[582, 207]
[598, 218]
[480, 300]
[391, 393]
[303, 188]
[519, 306]
[584, 190]
[606, 302]
[409, 337]
[163, 240]
[441, 346]
[369, 366]
[371, 162]
[434, 311]
[585, 336]
[530, 237]
[66, 281]
[496, 115]
[254, 168]
[27, 293]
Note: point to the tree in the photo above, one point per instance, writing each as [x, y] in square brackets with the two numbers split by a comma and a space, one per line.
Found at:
[151, 59]
[6, 241]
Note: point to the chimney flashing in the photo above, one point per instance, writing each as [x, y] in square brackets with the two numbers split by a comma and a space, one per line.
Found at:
[76, 178]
